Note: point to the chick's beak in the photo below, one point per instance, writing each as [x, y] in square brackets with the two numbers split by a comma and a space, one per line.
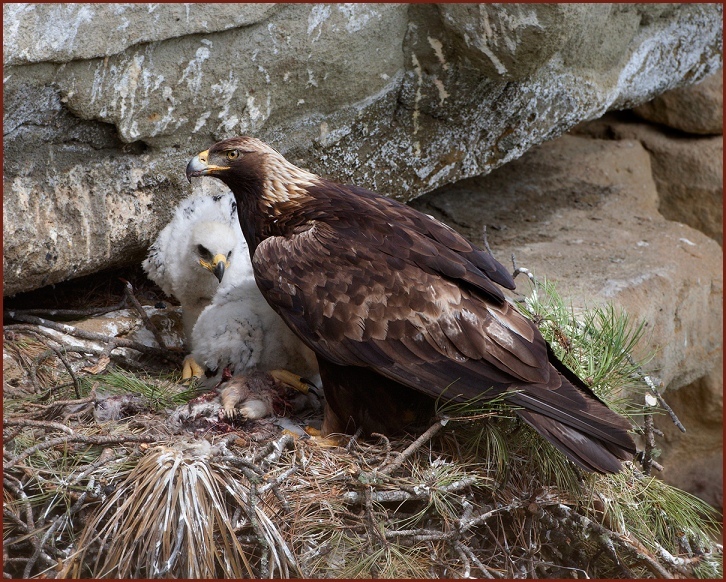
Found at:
[199, 166]
[219, 266]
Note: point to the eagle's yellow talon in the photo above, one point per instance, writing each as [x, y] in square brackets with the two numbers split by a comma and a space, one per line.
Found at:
[292, 380]
[191, 369]
[322, 440]
[314, 432]
[293, 434]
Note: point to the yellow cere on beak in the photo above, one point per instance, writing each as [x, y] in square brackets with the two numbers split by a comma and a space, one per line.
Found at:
[217, 267]
[199, 166]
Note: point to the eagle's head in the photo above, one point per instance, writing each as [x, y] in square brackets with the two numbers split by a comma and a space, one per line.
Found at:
[252, 168]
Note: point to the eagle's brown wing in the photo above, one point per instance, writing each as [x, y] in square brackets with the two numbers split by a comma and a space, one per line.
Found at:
[385, 287]
[390, 297]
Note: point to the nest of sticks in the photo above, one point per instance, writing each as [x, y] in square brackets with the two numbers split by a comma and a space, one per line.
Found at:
[133, 495]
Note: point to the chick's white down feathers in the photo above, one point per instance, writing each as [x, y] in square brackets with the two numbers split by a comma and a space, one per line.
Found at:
[241, 331]
[228, 323]
[173, 262]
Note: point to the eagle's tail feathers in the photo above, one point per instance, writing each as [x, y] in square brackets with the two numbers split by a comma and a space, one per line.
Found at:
[582, 449]
[578, 423]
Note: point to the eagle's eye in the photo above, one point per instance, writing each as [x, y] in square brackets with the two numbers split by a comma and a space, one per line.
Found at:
[203, 251]
[232, 155]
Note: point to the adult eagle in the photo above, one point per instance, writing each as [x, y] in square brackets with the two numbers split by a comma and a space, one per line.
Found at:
[400, 309]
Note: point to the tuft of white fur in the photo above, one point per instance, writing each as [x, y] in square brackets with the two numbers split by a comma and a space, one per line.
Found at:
[255, 409]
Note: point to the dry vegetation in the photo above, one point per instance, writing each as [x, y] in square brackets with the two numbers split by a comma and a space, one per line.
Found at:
[478, 495]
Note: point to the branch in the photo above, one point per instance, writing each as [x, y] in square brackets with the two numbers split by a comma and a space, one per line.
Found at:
[518, 270]
[97, 337]
[625, 543]
[37, 423]
[88, 349]
[416, 445]
[397, 495]
[72, 313]
[129, 294]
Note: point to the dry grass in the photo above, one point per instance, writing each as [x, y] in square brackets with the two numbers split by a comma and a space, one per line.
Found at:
[480, 496]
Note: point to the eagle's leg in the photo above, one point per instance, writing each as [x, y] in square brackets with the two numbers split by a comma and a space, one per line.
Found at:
[359, 398]
[293, 380]
[190, 368]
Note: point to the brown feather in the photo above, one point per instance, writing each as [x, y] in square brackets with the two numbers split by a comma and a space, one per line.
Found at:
[392, 300]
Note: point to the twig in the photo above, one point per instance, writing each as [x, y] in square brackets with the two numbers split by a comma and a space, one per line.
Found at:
[129, 294]
[37, 423]
[373, 531]
[22, 496]
[485, 240]
[652, 382]
[354, 439]
[253, 479]
[518, 270]
[387, 445]
[278, 447]
[668, 409]
[420, 535]
[107, 456]
[482, 517]
[64, 361]
[487, 572]
[649, 444]
[399, 495]
[458, 546]
[33, 537]
[89, 349]
[86, 439]
[416, 445]
[53, 408]
[57, 521]
[275, 486]
[631, 546]
[72, 313]
[678, 564]
[60, 354]
[90, 398]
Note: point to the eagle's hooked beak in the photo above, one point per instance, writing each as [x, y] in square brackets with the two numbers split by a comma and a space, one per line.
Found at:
[199, 166]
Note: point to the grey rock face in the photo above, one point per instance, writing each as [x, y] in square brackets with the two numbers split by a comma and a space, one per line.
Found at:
[104, 104]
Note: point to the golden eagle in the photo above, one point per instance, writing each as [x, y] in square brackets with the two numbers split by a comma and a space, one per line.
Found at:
[400, 309]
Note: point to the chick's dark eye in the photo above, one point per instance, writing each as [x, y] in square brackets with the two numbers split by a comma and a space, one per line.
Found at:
[232, 155]
[203, 252]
